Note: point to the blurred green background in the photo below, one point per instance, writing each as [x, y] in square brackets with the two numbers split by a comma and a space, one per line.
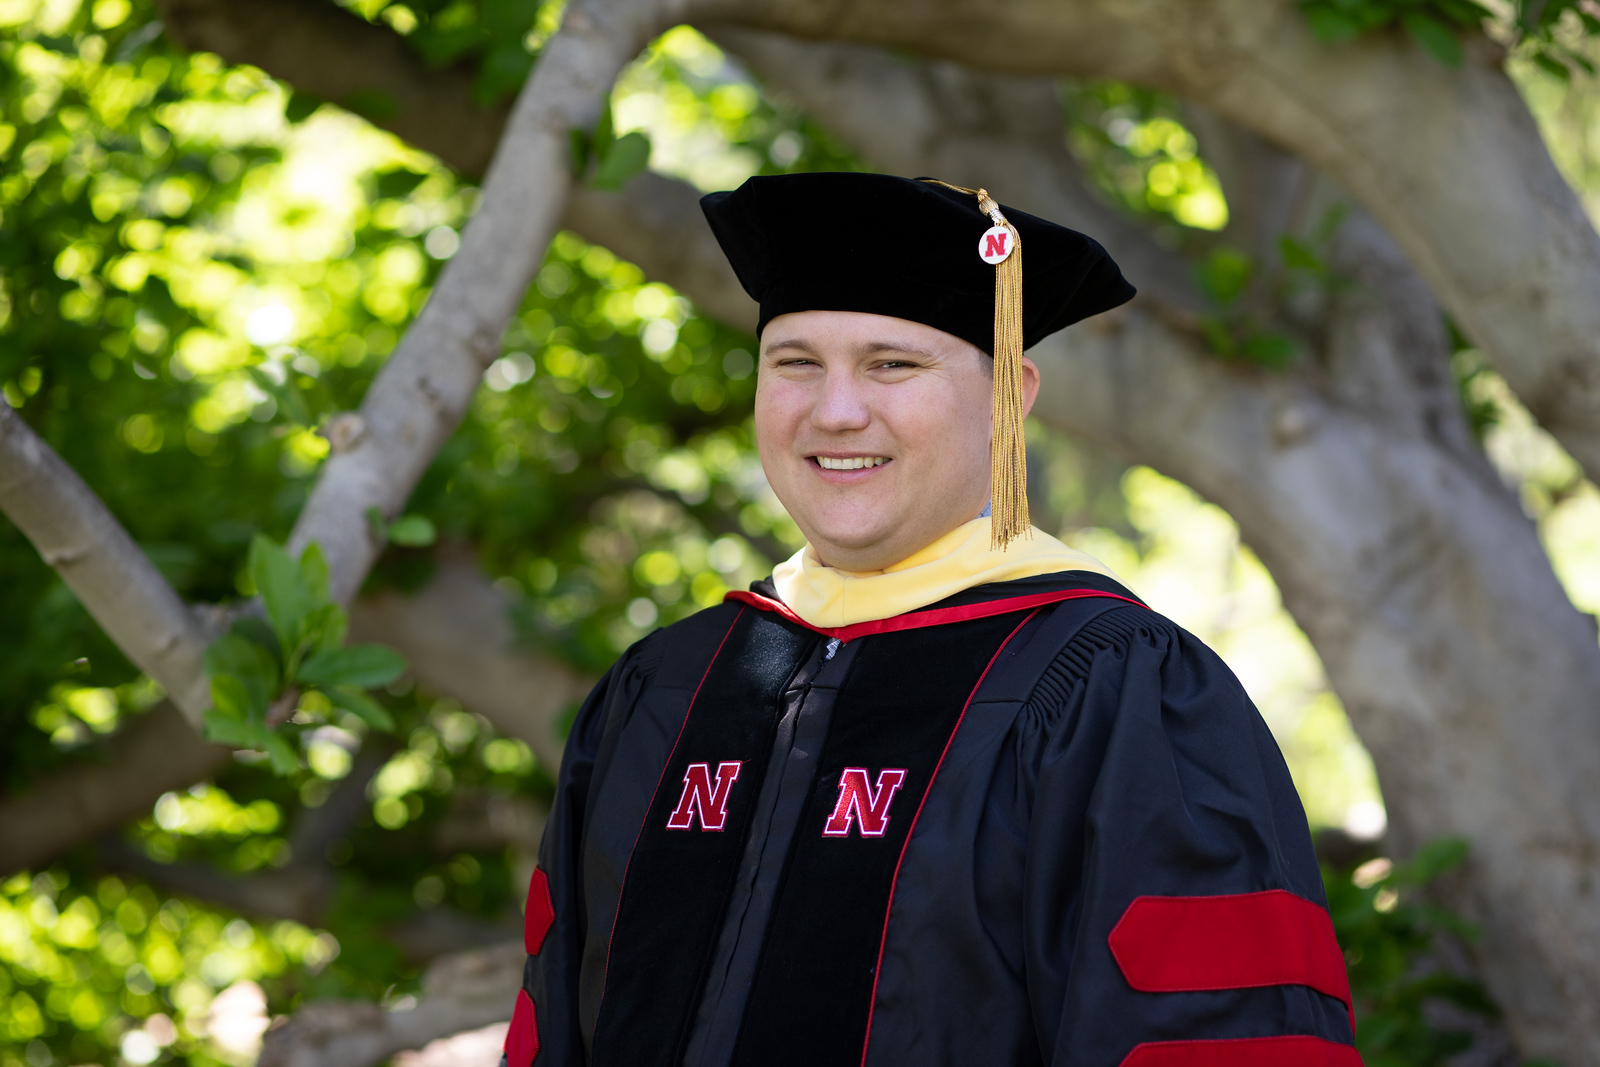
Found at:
[198, 268]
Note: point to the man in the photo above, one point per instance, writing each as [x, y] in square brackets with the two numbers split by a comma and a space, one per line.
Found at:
[941, 791]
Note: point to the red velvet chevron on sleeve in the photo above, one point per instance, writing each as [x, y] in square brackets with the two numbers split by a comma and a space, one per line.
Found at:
[522, 1040]
[539, 915]
[1244, 1052]
[1186, 944]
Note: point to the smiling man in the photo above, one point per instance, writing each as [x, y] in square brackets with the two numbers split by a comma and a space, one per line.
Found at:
[941, 791]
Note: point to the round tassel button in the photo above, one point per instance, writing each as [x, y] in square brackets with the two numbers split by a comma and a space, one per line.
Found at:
[995, 245]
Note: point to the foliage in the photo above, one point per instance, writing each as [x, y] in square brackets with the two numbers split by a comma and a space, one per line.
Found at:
[1543, 28]
[614, 159]
[1136, 148]
[196, 276]
[77, 960]
[294, 664]
[710, 124]
[1250, 300]
[199, 270]
[85, 974]
[500, 39]
[1387, 927]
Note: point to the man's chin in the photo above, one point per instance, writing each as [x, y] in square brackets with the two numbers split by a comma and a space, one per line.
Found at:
[858, 546]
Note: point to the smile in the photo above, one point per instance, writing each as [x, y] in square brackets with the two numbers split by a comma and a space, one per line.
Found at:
[849, 463]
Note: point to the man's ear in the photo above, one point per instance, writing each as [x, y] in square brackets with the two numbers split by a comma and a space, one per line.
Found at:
[1030, 384]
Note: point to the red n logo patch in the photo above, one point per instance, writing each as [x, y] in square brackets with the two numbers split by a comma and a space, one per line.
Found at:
[701, 798]
[861, 803]
[994, 244]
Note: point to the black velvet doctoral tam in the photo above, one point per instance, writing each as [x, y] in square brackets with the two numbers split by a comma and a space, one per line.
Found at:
[904, 247]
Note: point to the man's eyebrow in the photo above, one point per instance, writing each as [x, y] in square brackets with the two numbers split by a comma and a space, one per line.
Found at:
[792, 342]
[893, 346]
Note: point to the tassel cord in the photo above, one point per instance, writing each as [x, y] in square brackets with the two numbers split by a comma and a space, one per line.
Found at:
[1008, 452]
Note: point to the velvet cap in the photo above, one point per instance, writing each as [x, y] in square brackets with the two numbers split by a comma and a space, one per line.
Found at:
[904, 247]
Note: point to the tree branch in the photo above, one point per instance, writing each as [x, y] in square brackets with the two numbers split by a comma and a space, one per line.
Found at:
[297, 892]
[655, 223]
[1404, 558]
[330, 52]
[1455, 169]
[461, 992]
[78, 536]
[154, 753]
[1006, 134]
[420, 395]
[300, 890]
[416, 401]
[1461, 662]
[456, 633]
[1449, 160]
[325, 50]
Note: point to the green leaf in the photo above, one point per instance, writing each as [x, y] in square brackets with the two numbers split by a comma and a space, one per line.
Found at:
[374, 104]
[254, 628]
[244, 661]
[1225, 274]
[1433, 37]
[359, 665]
[580, 153]
[279, 753]
[393, 184]
[441, 47]
[1270, 350]
[314, 572]
[326, 627]
[239, 733]
[300, 106]
[1297, 256]
[502, 71]
[232, 698]
[1331, 26]
[1553, 67]
[628, 156]
[226, 730]
[1432, 859]
[605, 132]
[282, 590]
[1218, 337]
[362, 707]
[509, 18]
[413, 531]
[1464, 13]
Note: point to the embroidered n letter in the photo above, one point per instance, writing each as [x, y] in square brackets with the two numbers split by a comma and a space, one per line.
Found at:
[859, 802]
[701, 798]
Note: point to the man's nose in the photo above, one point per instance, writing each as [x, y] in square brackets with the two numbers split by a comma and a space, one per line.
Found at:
[842, 405]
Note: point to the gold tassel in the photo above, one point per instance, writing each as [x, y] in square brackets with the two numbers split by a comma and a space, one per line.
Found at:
[1008, 452]
[1008, 456]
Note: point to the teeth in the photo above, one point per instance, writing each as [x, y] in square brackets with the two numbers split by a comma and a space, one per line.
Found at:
[853, 463]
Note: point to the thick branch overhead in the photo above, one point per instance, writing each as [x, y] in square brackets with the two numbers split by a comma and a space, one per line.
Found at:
[78, 536]
[421, 394]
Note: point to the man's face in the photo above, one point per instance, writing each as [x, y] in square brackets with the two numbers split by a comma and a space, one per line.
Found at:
[874, 431]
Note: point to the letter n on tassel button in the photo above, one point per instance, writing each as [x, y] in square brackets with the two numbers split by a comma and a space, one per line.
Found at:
[995, 245]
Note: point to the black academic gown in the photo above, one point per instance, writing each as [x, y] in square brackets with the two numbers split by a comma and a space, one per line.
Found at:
[1036, 823]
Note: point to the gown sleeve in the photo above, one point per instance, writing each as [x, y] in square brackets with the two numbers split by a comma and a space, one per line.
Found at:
[545, 1017]
[1173, 907]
